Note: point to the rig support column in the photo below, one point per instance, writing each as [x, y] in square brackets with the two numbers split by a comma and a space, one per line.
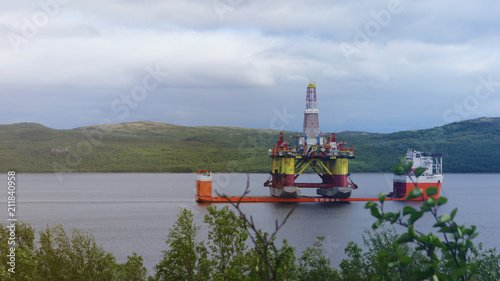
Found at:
[289, 171]
[340, 170]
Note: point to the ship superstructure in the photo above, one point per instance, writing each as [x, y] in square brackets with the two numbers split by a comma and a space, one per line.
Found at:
[431, 177]
[323, 155]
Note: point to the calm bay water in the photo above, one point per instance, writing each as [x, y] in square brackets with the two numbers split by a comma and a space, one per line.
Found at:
[133, 212]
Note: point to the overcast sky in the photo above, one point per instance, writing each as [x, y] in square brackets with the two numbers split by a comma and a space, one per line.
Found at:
[379, 66]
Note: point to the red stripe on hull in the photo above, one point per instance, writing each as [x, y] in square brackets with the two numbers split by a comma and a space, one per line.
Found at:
[279, 180]
[339, 180]
[206, 199]
[402, 189]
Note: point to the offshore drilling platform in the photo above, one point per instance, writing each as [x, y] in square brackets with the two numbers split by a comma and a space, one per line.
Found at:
[325, 156]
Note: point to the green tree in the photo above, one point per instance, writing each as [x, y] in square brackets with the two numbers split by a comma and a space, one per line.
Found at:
[186, 259]
[488, 263]
[382, 248]
[276, 263]
[354, 268]
[227, 238]
[285, 262]
[132, 270]
[78, 257]
[313, 265]
[60, 257]
[268, 261]
[24, 265]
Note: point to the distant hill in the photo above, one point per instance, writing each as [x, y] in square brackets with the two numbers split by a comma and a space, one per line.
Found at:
[472, 146]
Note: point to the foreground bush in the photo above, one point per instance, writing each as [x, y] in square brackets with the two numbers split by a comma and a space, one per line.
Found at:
[63, 257]
[449, 253]
[230, 258]
[229, 254]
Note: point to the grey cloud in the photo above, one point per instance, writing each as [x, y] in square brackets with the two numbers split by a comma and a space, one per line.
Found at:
[260, 52]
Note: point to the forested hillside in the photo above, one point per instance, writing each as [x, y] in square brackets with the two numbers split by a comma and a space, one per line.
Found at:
[472, 146]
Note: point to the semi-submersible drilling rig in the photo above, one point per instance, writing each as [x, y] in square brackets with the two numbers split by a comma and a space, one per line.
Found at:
[325, 156]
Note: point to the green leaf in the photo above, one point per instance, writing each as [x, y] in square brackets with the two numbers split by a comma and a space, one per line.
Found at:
[419, 171]
[438, 242]
[376, 224]
[388, 216]
[381, 197]
[412, 232]
[432, 191]
[404, 238]
[414, 217]
[469, 244]
[442, 200]
[470, 230]
[446, 229]
[439, 224]
[444, 218]
[430, 202]
[396, 217]
[408, 166]
[423, 239]
[376, 212]
[453, 213]
[408, 210]
[398, 170]
[425, 208]
[415, 193]
[370, 205]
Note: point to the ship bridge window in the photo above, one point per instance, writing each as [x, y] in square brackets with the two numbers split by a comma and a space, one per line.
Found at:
[418, 155]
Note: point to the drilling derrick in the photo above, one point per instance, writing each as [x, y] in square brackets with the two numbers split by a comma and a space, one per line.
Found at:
[311, 116]
[326, 157]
